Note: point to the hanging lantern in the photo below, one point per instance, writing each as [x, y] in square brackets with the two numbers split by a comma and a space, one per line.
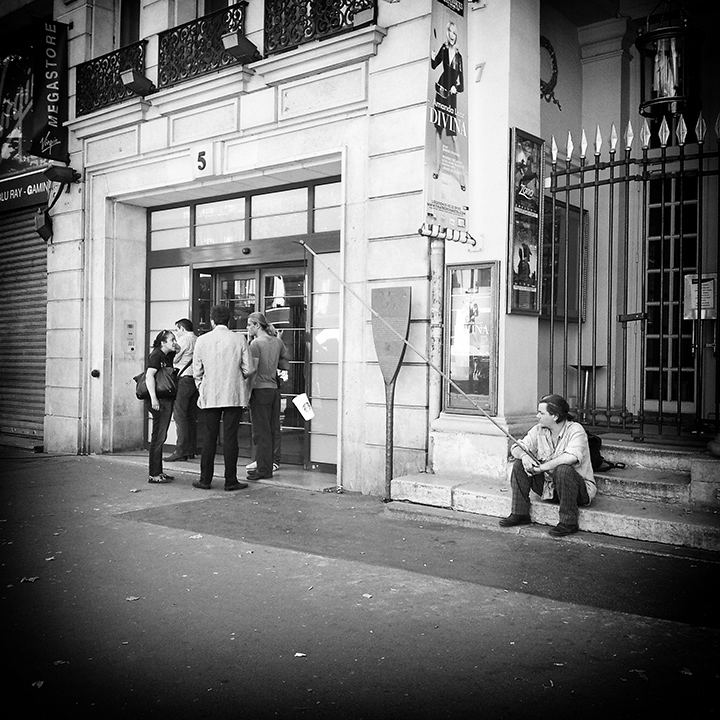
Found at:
[667, 47]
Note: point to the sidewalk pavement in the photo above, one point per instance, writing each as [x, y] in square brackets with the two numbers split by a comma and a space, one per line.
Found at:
[122, 598]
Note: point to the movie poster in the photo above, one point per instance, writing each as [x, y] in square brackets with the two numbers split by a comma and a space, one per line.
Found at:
[524, 261]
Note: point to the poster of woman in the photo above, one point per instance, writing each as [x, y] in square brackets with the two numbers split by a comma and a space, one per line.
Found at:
[447, 126]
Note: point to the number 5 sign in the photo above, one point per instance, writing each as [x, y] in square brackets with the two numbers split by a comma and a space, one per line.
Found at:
[202, 158]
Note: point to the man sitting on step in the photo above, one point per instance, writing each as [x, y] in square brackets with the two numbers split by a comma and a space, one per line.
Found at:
[552, 460]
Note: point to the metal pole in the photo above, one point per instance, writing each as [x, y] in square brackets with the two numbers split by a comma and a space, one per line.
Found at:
[416, 351]
[437, 292]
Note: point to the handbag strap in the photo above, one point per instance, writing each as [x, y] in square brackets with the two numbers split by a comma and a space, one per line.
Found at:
[185, 368]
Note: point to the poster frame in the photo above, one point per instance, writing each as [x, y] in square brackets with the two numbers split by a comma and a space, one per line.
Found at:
[456, 403]
[526, 173]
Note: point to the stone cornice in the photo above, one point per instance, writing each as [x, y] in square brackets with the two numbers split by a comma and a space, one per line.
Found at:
[115, 117]
[605, 39]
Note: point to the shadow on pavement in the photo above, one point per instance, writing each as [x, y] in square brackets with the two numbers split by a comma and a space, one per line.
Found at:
[357, 528]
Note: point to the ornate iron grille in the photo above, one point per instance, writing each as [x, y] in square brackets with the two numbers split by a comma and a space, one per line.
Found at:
[639, 349]
[290, 23]
[196, 48]
[98, 81]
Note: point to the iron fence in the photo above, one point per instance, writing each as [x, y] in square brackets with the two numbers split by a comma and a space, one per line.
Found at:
[630, 283]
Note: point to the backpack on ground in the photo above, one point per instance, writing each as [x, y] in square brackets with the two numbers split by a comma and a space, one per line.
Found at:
[599, 463]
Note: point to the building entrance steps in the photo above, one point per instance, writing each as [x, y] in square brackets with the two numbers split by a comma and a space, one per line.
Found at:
[642, 504]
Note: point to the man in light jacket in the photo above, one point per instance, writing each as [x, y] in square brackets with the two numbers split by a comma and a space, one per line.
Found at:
[221, 365]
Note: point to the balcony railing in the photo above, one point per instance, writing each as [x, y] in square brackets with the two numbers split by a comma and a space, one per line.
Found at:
[290, 23]
[196, 48]
[98, 82]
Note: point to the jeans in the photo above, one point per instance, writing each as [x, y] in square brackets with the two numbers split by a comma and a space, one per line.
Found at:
[231, 421]
[161, 423]
[265, 416]
[185, 414]
[570, 491]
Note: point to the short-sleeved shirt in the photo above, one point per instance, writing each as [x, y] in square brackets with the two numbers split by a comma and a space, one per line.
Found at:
[572, 440]
[270, 354]
[158, 359]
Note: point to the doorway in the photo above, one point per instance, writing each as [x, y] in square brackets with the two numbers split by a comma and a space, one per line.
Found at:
[281, 294]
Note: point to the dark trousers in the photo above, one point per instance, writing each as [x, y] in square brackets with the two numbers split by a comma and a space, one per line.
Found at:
[231, 420]
[277, 431]
[265, 416]
[570, 491]
[161, 423]
[185, 414]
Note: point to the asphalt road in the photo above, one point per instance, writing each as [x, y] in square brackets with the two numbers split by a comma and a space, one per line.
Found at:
[125, 599]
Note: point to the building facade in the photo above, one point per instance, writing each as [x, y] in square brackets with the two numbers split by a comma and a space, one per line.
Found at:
[345, 147]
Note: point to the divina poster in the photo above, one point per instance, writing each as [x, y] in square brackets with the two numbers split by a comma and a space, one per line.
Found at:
[446, 134]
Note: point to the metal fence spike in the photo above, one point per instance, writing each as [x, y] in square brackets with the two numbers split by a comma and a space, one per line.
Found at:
[598, 140]
[645, 134]
[613, 138]
[681, 131]
[583, 144]
[664, 133]
[570, 147]
[717, 127]
[629, 136]
[700, 129]
[553, 149]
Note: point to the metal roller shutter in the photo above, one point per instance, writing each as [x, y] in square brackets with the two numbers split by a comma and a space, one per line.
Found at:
[23, 324]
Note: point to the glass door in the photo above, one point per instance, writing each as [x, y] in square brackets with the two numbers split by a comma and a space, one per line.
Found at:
[284, 304]
[282, 298]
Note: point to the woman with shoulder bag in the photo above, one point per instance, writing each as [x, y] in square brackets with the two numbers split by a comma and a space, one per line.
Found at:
[161, 408]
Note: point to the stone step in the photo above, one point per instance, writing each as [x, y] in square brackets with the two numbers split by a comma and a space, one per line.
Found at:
[668, 523]
[674, 458]
[644, 484]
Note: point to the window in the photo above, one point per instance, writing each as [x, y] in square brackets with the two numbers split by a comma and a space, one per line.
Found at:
[170, 228]
[262, 216]
[129, 22]
[220, 222]
[212, 6]
[280, 214]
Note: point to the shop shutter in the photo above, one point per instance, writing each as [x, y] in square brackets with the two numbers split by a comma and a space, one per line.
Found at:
[23, 323]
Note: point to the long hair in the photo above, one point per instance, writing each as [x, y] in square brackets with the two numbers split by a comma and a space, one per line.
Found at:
[557, 405]
[261, 320]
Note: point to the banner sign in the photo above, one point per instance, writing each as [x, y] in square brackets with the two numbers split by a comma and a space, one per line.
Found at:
[21, 191]
[33, 99]
[50, 92]
[446, 135]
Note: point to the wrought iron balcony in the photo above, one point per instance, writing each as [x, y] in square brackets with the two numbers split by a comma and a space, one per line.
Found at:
[98, 82]
[291, 23]
[196, 48]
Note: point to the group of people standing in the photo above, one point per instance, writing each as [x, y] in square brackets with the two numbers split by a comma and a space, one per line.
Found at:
[220, 373]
